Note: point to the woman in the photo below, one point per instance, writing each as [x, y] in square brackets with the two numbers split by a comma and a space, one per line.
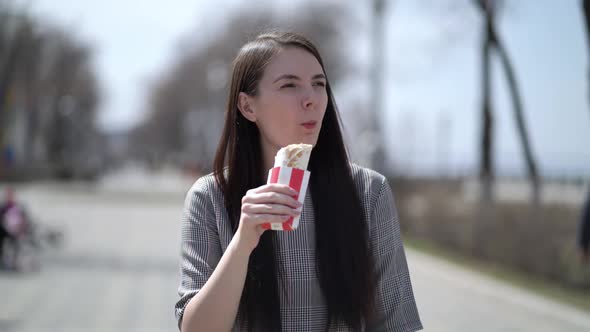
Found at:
[344, 268]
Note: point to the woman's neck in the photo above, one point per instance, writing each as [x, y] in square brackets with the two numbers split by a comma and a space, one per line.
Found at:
[268, 156]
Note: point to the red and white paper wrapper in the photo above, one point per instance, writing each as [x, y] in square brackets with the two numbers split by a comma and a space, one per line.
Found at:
[295, 178]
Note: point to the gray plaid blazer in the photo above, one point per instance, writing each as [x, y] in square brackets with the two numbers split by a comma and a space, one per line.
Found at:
[206, 233]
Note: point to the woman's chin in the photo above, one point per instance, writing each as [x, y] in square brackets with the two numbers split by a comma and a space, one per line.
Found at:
[308, 140]
[305, 139]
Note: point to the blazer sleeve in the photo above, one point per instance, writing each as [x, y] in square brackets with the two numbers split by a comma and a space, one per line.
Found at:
[395, 304]
[200, 244]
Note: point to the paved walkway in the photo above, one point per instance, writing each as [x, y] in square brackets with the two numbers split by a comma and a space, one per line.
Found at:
[117, 272]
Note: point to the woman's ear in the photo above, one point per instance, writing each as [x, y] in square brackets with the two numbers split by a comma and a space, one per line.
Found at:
[245, 106]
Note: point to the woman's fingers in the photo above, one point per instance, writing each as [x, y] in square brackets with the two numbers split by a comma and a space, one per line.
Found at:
[257, 219]
[270, 203]
[279, 209]
[275, 187]
[271, 198]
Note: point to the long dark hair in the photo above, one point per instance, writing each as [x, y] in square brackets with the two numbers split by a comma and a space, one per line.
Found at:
[344, 262]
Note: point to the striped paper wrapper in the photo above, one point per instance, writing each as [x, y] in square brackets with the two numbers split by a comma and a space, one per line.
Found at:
[295, 178]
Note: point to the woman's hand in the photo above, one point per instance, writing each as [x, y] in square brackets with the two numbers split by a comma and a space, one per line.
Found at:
[271, 203]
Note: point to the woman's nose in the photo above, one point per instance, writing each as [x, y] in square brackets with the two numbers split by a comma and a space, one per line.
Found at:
[308, 99]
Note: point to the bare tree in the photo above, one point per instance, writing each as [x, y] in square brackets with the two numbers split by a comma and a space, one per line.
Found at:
[74, 99]
[43, 71]
[487, 121]
[186, 104]
[491, 41]
[11, 50]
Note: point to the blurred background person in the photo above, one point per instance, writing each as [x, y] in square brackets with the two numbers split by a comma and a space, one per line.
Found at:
[14, 225]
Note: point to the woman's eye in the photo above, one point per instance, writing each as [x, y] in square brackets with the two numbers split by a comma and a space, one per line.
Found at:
[322, 84]
[288, 85]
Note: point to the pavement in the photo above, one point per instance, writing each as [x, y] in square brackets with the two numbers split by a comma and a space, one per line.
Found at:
[118, 270]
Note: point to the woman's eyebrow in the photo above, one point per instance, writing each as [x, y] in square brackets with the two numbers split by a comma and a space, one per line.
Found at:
[295, 77]
[287, 77]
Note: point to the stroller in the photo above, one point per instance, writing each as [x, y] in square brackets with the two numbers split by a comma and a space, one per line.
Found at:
[22, 240]
[24, 250]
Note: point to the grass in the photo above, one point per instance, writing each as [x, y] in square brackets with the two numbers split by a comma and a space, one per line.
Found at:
[544, 287]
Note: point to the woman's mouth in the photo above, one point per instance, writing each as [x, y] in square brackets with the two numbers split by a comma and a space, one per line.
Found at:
[309, 124]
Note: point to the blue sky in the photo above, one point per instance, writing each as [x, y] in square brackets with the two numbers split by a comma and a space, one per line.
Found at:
[432, 73]
[547, 44]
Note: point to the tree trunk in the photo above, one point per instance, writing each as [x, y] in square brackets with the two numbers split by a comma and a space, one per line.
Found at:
[487, 159]
[522, 130]
[492, 40]
[486, 171]
[32, 97]
[7, 71]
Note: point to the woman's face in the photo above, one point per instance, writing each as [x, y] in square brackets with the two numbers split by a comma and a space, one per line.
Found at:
[291, 100]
